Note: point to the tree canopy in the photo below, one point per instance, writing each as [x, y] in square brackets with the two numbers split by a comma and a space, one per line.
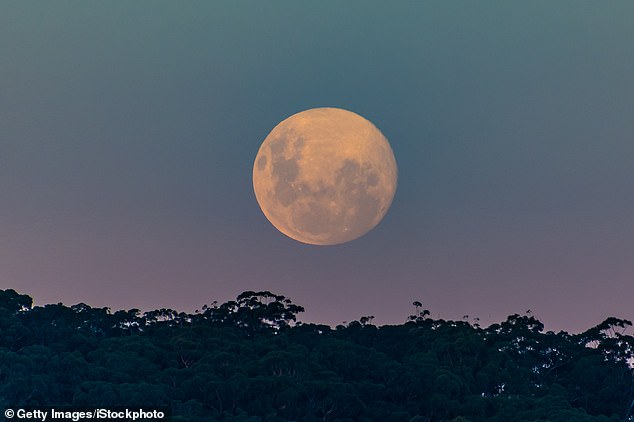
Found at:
[250, 360]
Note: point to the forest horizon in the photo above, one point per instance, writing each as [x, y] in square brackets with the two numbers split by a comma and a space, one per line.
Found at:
[417, 306]
[251, 360]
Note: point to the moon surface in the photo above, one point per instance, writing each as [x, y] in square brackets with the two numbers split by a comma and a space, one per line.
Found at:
[325, 176]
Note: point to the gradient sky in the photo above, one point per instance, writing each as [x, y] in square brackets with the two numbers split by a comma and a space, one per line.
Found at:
[128, 132]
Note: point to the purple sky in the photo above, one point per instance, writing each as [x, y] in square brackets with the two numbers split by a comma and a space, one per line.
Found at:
[128, 133]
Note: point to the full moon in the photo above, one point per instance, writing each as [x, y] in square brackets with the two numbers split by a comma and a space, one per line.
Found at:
[325, 176]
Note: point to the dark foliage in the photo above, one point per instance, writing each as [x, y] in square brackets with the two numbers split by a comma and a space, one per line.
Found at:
[249, 360]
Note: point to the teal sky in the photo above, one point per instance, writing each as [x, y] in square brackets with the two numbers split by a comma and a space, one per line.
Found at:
[128, 132]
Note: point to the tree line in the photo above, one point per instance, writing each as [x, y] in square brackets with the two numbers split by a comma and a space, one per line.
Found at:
[251, 360]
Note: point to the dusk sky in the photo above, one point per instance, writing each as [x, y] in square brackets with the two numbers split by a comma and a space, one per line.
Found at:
[128, 132]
